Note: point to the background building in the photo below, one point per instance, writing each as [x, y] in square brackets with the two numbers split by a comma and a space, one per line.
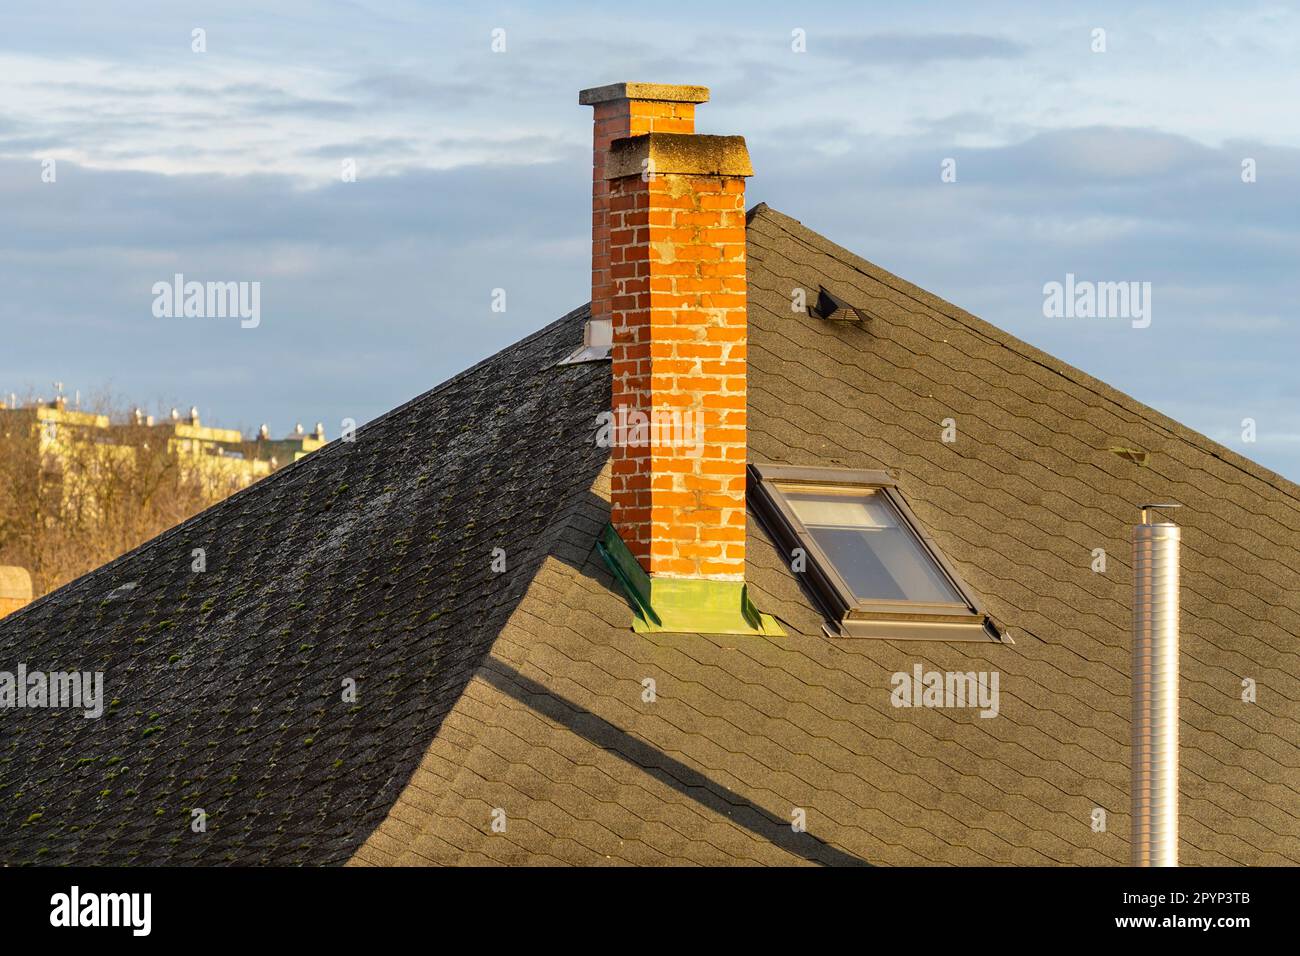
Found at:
[15, 589]
[84, 487]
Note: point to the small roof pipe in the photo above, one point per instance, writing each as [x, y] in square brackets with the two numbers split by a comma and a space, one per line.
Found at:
[1155, 689]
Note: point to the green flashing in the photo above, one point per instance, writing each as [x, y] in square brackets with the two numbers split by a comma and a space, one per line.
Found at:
[683, 605]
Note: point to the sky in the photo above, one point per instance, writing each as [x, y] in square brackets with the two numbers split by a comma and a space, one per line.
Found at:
[472, 174]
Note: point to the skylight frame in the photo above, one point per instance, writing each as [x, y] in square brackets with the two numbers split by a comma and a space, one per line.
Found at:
[849, 615]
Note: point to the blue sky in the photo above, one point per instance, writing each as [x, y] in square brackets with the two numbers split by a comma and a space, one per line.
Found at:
[473, 174]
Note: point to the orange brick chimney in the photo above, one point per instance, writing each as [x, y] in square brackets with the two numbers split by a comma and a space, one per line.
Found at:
[668, 272]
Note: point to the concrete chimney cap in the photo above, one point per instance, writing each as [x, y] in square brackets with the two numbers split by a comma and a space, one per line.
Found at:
[690, 154]
[660, 92]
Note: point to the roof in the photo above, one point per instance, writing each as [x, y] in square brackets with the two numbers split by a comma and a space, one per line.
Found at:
[525, 703]
[368, 561]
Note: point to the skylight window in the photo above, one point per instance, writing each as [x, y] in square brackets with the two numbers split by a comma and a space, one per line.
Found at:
[862, 552]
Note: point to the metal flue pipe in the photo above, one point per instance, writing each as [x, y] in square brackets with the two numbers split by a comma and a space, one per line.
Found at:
[1155, 690]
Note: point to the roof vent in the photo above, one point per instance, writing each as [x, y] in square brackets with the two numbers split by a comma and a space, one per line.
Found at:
[1135, 455]
[834, 309]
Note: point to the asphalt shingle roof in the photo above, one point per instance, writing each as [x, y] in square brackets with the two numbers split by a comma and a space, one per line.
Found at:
[369, 561]
[524, 702]
[554, 731]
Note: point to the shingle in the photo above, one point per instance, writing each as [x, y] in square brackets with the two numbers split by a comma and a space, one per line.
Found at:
[767, 722]
[368, 560]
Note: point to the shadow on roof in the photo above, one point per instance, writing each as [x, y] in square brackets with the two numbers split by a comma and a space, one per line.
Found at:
[685, 780]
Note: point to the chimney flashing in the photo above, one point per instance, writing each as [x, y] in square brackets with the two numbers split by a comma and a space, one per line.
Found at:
[684, 154]
[658, 92]
[597, 343]
[683, 605]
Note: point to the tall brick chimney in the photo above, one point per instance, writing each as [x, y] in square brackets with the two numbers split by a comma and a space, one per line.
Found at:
[668, 273]
[621, 110]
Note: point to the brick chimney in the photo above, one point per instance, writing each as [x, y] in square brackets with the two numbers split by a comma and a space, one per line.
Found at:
[668, 273]
[621, 110]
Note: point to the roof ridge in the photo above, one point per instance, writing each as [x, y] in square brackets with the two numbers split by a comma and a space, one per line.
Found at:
[446, 383]
[1051, 363]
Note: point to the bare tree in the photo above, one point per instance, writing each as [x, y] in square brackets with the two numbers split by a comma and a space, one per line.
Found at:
[73, 497]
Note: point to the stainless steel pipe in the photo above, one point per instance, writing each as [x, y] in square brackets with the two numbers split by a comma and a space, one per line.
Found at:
[1155, 692]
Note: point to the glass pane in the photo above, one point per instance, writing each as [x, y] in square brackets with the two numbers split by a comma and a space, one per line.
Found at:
[873, 551]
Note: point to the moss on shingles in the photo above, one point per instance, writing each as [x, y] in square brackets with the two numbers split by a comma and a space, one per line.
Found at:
[275, 530]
